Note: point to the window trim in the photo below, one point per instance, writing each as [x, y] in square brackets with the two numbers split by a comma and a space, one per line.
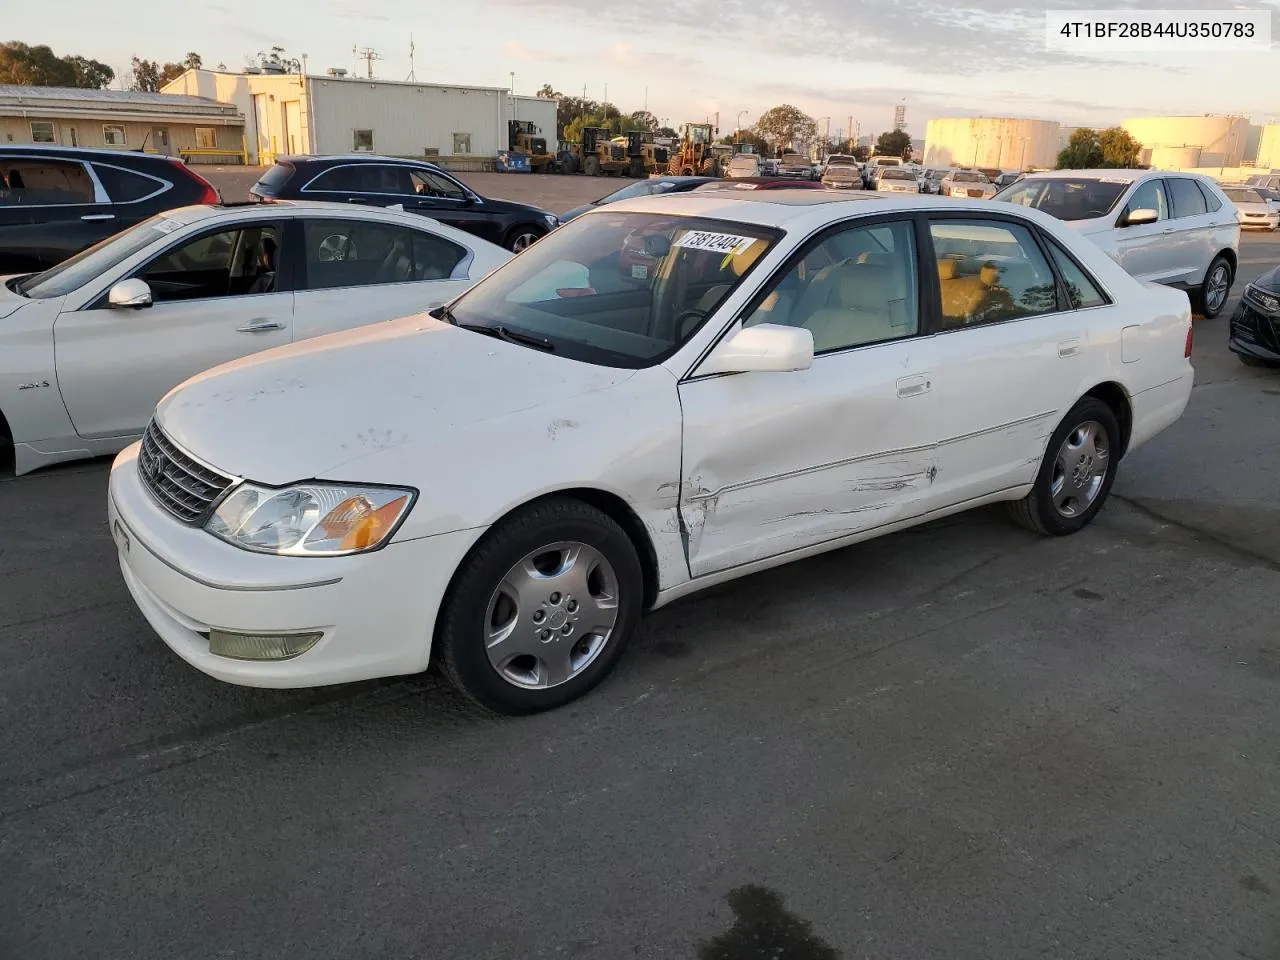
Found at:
[53, 131]
[124, 134]
[1133, 192]
[461, 270]
[308, 188]
[99, 193]
[935, 320]
[1209, 196]
[372, 142]
[1051, 244]
[164, 185]
[213, 131]
[779, 273]
[284, 268]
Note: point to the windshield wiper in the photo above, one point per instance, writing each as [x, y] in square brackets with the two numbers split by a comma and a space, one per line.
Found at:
[501, 332]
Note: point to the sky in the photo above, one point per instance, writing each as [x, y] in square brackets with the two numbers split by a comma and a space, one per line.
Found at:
[687, 59]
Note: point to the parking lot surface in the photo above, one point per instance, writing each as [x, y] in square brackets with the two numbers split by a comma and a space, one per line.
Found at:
[958, 741]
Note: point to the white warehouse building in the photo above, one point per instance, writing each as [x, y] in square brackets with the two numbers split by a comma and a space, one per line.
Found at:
[286, 113]
[1181, 143]
[1005, 143]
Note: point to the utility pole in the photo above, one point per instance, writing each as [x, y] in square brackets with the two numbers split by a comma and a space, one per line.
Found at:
[368, 55]
[853, 143]
[412, 76]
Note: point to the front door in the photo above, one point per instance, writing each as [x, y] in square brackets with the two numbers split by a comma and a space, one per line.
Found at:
[216, 297]
[443, 198]
[777, 462]
[1143, 249]
[1011, 355]
[160, 141]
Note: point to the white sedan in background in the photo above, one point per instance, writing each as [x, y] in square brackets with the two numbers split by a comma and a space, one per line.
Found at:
[662, 395]
[88, 347]
[1254, 210]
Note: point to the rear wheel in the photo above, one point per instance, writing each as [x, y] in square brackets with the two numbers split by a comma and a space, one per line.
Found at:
[521, 237]
[570, 164]
[1076, 474]
[636, 170]
[1212, 296]
[541, 610]
[591, 166]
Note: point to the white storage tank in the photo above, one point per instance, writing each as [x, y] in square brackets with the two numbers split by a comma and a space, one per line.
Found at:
[1006, 143]
[1175, 158]
[1220, 139]
[1269, 147]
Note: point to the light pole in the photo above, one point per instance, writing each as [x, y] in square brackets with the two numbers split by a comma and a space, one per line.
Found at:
[826, 136]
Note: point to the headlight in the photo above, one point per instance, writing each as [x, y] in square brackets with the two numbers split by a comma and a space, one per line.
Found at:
[552, 221]
[1265, 300]
[310, 519]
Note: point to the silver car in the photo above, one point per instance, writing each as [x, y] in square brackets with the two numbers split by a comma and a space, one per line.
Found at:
[967, 183]
[842, 173]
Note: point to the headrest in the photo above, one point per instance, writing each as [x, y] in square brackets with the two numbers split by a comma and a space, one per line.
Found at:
[989, 275]
[947, 269]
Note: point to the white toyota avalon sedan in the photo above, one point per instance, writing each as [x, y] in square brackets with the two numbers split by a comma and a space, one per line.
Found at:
[663, 395]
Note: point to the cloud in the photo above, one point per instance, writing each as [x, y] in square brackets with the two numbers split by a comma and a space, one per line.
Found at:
[623, 54]
[351, 10]
[518, 51]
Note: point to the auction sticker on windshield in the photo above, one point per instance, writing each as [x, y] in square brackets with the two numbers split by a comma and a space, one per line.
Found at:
[717, 242]
[167, 226]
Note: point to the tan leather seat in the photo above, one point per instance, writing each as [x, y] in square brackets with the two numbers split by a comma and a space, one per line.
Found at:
[962, 295]
[860, 310]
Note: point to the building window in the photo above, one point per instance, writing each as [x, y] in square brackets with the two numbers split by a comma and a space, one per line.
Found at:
[461, 144]
[206, 138]
[42, 131]
[113, 134]
[363, 141]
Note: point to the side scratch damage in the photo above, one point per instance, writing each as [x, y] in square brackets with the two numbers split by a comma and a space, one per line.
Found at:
[555, 426]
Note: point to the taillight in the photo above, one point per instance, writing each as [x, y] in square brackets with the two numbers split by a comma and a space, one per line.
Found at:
[208, 192]
[1190, 334]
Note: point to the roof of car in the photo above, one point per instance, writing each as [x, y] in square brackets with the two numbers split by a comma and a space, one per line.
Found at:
[289, 208]
[1126, 175]
[306, 158]
[89, 153]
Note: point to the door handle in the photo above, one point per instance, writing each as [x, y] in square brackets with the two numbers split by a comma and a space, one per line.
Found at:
[98, 216]
[1069, 348]
[356, 200]
[914, 386]
[260, 325]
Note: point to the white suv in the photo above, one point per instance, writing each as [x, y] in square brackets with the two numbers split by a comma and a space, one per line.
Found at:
[1172, 228]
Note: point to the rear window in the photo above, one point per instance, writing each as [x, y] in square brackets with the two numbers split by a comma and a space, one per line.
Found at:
[897, 174]
[964, 177]
[271, 182]
[126, 186]
[1067, 198]
[1243, 195]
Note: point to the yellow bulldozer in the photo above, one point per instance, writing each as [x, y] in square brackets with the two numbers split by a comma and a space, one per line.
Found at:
[522, 137]
[595, 154]
[696, 156]
[644, 157]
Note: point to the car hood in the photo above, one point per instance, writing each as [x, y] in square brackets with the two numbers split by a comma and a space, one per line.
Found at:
[1269, 281]
[312, 409]
[498, 205]
[578, 211]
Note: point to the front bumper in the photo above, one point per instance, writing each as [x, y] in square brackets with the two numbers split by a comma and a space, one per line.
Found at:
[1260, 223]
[376, 611]
[1254, 333]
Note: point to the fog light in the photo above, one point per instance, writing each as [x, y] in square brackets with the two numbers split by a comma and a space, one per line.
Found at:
[261, 646]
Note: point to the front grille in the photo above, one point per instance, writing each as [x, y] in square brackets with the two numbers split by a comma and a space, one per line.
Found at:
[976, 193]
[177, 482]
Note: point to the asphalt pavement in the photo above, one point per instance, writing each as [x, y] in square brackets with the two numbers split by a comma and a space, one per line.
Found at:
[958, 741]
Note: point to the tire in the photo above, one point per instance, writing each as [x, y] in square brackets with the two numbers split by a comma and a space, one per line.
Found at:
[483, 591]
[570, 164]
[521, 237]
[1074, 506]
[1212, 297]
[636, 169]
[591, 166]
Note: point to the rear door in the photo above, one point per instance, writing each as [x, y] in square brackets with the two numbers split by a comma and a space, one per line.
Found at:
[1010, 356]
[218, 294]
[354, 272]
[52, 207]
[1191, 241]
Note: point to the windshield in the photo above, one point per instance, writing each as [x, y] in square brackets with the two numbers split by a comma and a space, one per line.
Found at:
[1067, 198]
[966, 177]
[645, 188]
[617, 289]
[897, 174]
[76, 271]
[269, 183]
[1243, 195]
[838, 161]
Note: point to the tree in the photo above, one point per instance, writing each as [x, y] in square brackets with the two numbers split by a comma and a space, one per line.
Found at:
[645, 120]
[1119, 149]
[193, 61]
[39, 66]
[895, 143]
[786, 126]
[861, 154]
[749, 136]
[146, 75]
[1082, 152]
[665, 132]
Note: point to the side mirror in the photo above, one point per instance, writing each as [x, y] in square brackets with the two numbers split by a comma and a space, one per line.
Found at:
[130, 293]
[766, 348]
[470, 200]
[1137, 218]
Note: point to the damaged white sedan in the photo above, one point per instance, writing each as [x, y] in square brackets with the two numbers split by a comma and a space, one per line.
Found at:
[664, 394]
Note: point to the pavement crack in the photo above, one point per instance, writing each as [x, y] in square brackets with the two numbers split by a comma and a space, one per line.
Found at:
[1250, 557]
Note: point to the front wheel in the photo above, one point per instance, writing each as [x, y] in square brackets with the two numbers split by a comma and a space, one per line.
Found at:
[521, 238]
[1212, 296]
[542, 608]
[1076, 474]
